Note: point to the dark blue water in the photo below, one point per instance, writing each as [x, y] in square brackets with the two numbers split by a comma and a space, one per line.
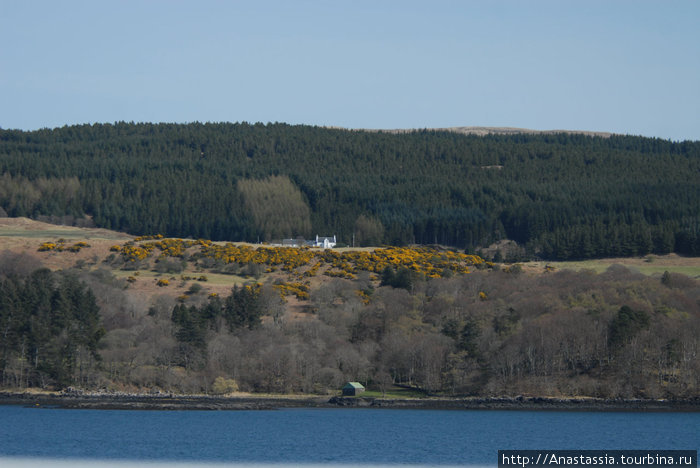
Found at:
[348, 436]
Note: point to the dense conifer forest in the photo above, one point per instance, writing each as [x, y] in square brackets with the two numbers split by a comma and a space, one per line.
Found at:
[561, 196]
[50, 328]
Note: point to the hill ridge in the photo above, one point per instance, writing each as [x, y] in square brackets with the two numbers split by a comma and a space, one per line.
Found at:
[483, 131]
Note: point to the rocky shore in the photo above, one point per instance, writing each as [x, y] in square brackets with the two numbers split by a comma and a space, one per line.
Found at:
[522, 403]
[163, 401]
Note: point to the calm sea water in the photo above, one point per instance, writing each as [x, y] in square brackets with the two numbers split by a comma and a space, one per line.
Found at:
[328, 436]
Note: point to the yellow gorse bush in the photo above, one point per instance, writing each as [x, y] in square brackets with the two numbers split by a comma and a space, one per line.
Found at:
[59, 246]
[427, 261]
[300, 290]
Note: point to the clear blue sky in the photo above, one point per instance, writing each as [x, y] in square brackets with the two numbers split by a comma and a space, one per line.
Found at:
[626, 66]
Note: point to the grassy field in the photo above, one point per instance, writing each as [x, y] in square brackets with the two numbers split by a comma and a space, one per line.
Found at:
[394, 392]
[28, 229]
[58, 234]
[650, 265]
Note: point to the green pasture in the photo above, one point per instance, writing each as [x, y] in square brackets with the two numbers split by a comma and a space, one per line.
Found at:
[685, 266]
[59, 233]
[393, 392]
[212, 278]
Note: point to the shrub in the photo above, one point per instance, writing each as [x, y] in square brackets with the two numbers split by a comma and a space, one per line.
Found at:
[47, 246]
[223, 386]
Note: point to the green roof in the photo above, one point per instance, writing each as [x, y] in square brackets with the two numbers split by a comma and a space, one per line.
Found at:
[354, 385]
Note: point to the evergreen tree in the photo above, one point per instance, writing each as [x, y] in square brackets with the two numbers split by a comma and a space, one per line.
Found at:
[563, 196]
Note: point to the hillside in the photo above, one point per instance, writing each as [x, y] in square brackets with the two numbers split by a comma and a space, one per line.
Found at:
[484, 131]
[560, 196]
[24, 237]
[149, 314]
[216, 267]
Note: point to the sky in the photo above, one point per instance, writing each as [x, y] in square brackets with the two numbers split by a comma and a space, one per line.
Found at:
[622, 66]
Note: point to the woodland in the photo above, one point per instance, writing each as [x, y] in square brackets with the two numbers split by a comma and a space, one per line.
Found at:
[431, 309]
[306, 322]
[559, 196]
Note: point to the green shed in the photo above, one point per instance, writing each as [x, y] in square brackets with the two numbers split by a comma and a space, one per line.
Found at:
[353, 388]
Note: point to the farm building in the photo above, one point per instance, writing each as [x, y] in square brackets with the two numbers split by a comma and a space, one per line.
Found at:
[298, 242]
[323, 242]
[353, 388]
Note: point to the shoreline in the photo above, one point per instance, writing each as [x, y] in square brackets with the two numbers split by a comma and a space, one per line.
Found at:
[78, 400]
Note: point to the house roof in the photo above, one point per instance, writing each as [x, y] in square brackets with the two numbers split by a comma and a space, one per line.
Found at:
[357, 385]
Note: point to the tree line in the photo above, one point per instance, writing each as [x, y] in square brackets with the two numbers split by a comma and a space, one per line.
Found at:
[489, 332]
[50, 329]
[560, 196]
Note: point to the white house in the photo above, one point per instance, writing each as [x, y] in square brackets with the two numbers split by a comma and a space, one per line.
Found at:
[325, 242]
